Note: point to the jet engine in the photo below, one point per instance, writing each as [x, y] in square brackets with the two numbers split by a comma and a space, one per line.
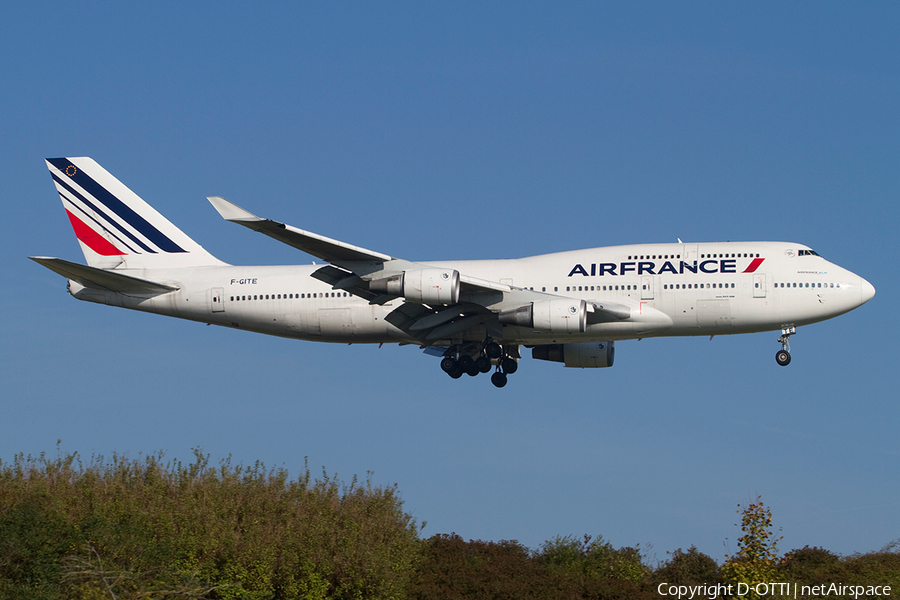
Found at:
[423, 286]
[584, 355]
[561, 315]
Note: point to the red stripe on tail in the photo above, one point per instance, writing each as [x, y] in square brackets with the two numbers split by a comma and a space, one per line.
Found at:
[92, 239]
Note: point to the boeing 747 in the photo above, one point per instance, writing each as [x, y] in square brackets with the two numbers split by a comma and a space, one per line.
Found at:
[569, 307]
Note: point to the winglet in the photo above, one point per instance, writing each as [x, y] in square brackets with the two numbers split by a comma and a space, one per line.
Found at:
[231, 211]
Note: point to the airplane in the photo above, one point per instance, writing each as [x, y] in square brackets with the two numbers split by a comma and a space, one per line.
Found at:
[568, 307]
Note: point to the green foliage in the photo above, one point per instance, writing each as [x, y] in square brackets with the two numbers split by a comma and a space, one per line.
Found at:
[882, 567]
[130, 528]
[689, 568]
[757, 554]
[590, 558]
[811, 566]
[562, 568]
[454, 568]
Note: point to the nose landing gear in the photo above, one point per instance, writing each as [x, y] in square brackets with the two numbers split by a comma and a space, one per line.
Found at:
[783, 356]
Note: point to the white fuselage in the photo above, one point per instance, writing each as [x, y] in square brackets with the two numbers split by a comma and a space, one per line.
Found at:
[672, 289]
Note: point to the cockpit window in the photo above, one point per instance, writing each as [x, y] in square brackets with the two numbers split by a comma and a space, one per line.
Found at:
[808, 253]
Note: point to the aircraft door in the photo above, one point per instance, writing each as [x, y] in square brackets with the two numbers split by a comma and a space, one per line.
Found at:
[217, 300]
[647, 288]
[759, 285]
[689, 253]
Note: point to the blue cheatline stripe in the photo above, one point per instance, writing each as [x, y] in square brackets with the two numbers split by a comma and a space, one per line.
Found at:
[124, 211]
[98, 223]
[94, 208]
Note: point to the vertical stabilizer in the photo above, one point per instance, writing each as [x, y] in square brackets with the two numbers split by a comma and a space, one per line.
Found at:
[114, 226]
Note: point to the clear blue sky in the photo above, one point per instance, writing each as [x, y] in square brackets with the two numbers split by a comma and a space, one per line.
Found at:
[434, 131]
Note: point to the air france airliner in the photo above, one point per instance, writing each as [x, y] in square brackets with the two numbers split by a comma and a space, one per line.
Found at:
[568, 307]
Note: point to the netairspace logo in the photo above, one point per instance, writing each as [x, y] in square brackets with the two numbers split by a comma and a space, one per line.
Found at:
[794, 590]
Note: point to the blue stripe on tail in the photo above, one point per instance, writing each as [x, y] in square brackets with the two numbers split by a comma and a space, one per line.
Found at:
[116, 206]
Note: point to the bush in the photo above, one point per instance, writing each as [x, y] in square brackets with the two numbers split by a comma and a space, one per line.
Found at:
[129, 527]
[689, 568]
[811, 566]
[453, 568]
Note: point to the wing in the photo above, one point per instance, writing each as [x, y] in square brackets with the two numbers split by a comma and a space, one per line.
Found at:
[439, 302]
[319, 246]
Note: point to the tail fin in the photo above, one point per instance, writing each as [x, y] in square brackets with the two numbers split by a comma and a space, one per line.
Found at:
[114, 226]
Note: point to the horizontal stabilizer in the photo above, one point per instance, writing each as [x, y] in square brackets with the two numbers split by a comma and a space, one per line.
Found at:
[109, 280]
[319, 246]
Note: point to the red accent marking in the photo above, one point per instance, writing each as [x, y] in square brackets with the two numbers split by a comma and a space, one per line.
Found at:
[754, 265]
[91, 238]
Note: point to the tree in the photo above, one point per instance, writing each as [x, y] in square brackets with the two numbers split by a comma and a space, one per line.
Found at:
[757, 554]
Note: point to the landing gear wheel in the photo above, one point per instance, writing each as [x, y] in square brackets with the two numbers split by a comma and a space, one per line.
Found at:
[509, 366]
[473, 370]
[483, 363]
[448, 364]
[456, 373]
[493, 350]
[498, 379]
[465, 362]
[783, 358]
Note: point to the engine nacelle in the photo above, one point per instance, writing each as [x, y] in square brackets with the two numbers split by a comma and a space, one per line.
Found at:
[561, 315]
[423, 286]
[584, 355]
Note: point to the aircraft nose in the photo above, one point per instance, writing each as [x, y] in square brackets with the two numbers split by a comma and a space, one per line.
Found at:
[866, 291]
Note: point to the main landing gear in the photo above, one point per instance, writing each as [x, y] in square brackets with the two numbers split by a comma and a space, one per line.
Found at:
[472, 360]
[783, 356]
